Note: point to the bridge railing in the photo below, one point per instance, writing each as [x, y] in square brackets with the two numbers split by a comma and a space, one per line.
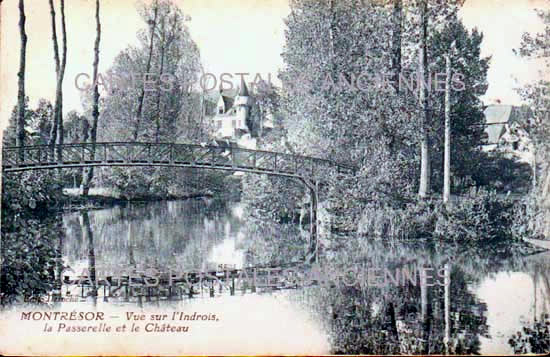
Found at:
[166, 154]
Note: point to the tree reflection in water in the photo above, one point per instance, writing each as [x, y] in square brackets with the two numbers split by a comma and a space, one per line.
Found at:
[415, 317]
[395, 319]
[535, 337]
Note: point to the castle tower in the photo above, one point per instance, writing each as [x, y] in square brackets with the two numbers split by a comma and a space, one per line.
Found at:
[221, 105]
[242, 106]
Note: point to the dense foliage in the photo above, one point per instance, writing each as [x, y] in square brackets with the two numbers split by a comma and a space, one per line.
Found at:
[337, 103]
[537, 97]
[30, 242]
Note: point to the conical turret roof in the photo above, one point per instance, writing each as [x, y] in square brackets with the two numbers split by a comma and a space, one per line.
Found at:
[243, 90]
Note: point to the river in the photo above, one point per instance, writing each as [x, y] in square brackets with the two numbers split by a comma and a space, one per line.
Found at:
[492, 292]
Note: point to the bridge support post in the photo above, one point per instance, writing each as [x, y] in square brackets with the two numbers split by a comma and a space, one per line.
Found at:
[313, 251]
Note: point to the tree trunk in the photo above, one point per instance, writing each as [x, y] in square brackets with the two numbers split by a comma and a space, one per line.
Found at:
[534, 165]
[139, 112]
[447, 164]
[331, 30]
[53, 131]
[396, 42]
[546, 186]
[447, 287]
[166, 42]
[20, 125]
[95, 110]
[56, 133]
[85, 132]
[60, 133]
[161, 69]
[393, 322]
[545, 203]
[424, 187]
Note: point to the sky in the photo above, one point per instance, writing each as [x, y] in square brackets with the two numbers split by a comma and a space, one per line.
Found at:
[232, 36]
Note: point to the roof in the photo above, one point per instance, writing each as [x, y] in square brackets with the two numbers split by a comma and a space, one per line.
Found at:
[494, 132]
[498, 116]
[214, 95]
[227, 101]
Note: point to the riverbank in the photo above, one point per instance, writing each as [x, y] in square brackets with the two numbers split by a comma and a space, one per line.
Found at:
[97, 199]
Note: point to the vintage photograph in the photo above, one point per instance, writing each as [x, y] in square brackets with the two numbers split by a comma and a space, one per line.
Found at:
[267, 177]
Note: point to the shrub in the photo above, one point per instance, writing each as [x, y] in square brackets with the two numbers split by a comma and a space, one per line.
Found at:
[414, 221]
[480, 216]
[29, 256]
[28, 248]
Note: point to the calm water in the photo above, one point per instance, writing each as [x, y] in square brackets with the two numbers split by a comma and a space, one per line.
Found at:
[493, 292]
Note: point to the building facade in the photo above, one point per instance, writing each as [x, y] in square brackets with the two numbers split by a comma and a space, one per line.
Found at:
[232, 117]
[505, 133]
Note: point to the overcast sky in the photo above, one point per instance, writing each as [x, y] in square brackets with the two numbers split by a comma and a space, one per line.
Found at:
[233, 36]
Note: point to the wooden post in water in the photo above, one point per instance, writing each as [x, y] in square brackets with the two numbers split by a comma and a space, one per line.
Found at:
[312, 253]
[127, 290]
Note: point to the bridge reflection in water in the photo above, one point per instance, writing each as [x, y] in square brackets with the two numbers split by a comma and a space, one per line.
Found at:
[139, 282]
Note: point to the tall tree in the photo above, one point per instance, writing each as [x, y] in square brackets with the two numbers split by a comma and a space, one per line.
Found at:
[169, 103]
[139, 111]
[95, 106]
[40, 122]
[56, 134]
[424, 186]
[447, 160]
[468, 82]
[335, 105]
[537, 124]
[20, 127]
[167, 32]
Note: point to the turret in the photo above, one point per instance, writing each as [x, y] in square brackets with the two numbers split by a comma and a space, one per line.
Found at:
[243, 98]
[242, 106]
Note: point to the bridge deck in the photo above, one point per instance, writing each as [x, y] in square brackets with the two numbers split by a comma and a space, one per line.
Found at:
[76, 155]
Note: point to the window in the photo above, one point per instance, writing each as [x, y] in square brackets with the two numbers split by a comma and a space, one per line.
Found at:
[234, 123]
[220, 110]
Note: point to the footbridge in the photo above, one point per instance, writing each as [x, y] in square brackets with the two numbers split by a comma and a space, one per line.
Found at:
[308, 170]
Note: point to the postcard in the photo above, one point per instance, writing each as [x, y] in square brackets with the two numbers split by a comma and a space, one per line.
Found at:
[275, 177]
